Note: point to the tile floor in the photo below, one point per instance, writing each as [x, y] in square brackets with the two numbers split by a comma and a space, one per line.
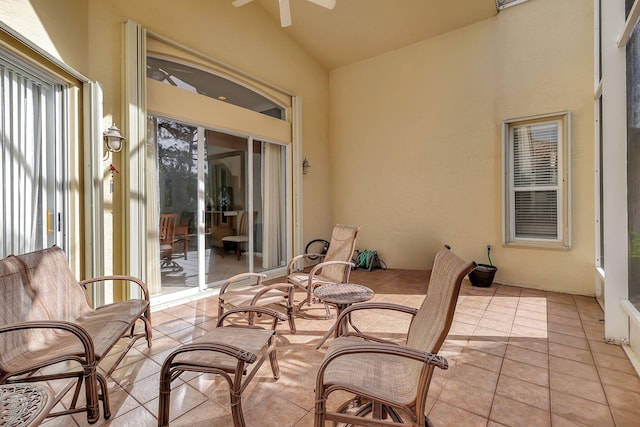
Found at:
[517, 357]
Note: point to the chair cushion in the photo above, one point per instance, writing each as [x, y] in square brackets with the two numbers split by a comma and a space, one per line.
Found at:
[382, 376]
[302, 280]
[248, 339]
[244, 295]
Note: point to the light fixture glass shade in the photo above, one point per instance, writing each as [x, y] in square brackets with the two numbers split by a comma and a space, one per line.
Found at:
[113, 139]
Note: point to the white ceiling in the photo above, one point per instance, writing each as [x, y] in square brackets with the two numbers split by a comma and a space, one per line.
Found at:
[358, 29]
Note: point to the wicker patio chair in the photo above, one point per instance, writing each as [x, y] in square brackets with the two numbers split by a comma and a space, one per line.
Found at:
[334, 267]
[226, 351]
[390, 380]
[49, 331]
[168, 241]
[256, 294]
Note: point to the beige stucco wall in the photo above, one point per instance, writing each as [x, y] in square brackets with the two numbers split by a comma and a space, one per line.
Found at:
[407, 144]
[86, 35]
[416, 140]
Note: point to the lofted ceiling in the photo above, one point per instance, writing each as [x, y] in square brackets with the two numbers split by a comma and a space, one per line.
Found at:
[359, 29]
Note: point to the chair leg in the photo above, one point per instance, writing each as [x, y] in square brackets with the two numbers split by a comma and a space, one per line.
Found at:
[105, 397]
[236, 409]
[275, 368]
[164, 402]
[91, 393]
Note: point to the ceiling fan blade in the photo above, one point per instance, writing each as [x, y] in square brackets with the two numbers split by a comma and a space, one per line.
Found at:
[238, 3]
[329, 4]
[285, 13]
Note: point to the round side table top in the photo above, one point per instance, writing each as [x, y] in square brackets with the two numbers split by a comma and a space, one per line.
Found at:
[24, 404]
[343, 293]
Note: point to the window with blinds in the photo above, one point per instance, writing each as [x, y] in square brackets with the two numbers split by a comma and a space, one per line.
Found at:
[536, 181]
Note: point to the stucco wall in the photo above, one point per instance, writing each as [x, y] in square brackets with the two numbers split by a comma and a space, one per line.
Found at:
[416, 140]
[86, 35]
[407, 144]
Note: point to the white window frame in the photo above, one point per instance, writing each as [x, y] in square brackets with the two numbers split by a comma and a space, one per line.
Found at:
[563, 240]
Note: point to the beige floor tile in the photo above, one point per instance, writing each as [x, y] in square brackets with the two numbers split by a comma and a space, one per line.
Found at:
[530, 323]
[561, 328]
[569, 340]
[528, 332]
[480, 359]
[590, 390]
[520, 354]
[605, 348]
[522, 312]
[571, 353]
[497, 347]
[621, 364]
[540, 344]
[624, 418]
[619, 379]
[445, 415]
[139, 417]
[525, 372]
[207, 414]
[573, 368]
[272, 412]
[464, 396]
[524, 392]
[580, 410]
[620, 398]
[183, 399]
[515, 414]
[513, 353]
[477, 377]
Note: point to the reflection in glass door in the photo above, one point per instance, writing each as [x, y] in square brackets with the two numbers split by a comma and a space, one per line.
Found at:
[236, 223]
[177, 147]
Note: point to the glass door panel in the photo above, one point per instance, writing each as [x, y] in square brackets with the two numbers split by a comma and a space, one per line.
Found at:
[229, 232]
[178, 200]
[226, 197]
[269, 190]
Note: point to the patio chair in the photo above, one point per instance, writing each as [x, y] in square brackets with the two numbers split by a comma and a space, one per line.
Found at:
[242, 235]
[391, 380]
[256, 295]
[226, 351]
[168, 240]
[334, 266]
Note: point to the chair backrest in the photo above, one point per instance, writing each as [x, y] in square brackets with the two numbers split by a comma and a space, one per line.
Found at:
[168, 227]
[243, 223]
[430, 326]
[341, 247]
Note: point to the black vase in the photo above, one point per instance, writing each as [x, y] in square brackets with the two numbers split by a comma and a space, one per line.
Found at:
[482, 276]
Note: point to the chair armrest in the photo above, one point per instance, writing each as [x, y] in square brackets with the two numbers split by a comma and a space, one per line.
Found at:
[321, 265]
[133, 279]
[297, 258]
[381, 348]
[233, 351]
[80, 333]
[372, 306]
[241, 276]
[254, 309]
[286, 287]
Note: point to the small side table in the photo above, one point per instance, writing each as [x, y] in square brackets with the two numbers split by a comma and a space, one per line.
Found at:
[24, 404]
[342, 295]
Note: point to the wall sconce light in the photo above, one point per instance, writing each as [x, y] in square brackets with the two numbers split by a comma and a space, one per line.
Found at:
[305, 166]
[113, 139]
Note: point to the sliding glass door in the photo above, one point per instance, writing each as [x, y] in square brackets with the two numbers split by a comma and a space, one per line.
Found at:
[32, 169]
[222, 205]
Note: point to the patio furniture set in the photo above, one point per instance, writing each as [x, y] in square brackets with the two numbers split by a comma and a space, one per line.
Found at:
[389, 381]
